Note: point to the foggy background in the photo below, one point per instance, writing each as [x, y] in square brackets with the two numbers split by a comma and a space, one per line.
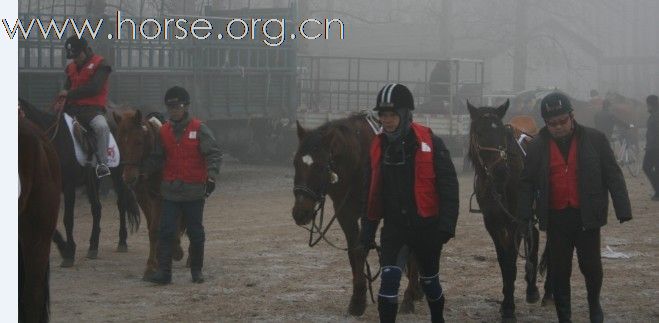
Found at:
[609, 45]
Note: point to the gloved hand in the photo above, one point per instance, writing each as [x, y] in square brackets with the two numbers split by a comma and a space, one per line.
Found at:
[210, 186]
[367, 234]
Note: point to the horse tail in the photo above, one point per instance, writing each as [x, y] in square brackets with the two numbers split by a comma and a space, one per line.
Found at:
[133, 210]
[545, 259]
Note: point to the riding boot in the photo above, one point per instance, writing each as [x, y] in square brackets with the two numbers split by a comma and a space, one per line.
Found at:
[595, 308]
[387, 310]
[563, 308]
[437, 310]
[164, 273]
[197, 262]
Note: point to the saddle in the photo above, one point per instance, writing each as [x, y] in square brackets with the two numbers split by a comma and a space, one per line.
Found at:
[84, 142]
[86, 138]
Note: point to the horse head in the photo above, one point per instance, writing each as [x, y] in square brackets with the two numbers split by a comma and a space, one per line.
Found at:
[322, 161]
[489, 140]
[136, 140]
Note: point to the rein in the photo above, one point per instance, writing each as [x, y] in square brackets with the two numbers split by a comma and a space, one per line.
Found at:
[57, 105]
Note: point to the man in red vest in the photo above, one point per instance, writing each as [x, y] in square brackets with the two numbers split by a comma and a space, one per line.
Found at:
[568, 171]
[190, 160]
[412, 185]
[86, 92]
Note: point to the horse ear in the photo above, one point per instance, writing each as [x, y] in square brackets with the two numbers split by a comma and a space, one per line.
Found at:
[301, 132]
[501, 110]
[116, 116]
[138, 117]
[473, 111]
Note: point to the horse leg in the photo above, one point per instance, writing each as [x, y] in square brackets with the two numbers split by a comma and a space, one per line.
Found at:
[357, 257]
[151, 210]
[413, 292]
[121, 190]
[34, 252]
[68, 256]
[94, 201]
[531, 267]
[507, 257]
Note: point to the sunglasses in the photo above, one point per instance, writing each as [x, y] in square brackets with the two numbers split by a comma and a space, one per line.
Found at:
[176, 106]
[559, 122]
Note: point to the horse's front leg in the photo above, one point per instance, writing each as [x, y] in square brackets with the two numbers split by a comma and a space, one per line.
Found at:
[121, 190]
[413, 292]
[357, 256]
[504, 243]
[69, 251]
[94, 201]
[531, 265]
[152, 215]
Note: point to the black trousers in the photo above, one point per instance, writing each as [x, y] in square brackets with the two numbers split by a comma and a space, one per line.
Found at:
[565, 233]
[398, 242]
[651, 168]
[192, 212]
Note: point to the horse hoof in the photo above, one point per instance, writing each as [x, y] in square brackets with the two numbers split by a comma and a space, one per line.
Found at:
[532, 297]
[92, 254]
[547, 301]
[512, 319]
[177, 255]
[406, 307]
[66, 263]
[357, 308]
[147, 275]
[122, 248]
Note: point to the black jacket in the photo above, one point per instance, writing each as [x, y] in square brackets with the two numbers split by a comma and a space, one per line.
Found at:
[598, 173]
[652, 134]
[447, 189]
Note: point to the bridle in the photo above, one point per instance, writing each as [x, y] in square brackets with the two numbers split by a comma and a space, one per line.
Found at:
[320, 197]
[145, 151]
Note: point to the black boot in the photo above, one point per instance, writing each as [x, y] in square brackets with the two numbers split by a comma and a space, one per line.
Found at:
[563, 308]
[387, 310]
[437, 310]
[163, 275]
[197, 262]
[595, 310]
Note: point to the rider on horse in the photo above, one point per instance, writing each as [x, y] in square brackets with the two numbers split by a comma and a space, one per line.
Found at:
[86, 93]
[413, 186]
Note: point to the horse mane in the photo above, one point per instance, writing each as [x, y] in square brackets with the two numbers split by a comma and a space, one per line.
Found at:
[315, 136]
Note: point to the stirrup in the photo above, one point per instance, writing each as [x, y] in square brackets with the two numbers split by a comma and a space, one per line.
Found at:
[102, 170]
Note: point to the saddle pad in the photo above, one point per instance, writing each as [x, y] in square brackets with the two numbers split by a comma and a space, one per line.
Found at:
[113, 150]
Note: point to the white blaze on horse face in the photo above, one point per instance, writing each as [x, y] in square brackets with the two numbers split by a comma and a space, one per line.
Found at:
[306, 159]
[494, 125]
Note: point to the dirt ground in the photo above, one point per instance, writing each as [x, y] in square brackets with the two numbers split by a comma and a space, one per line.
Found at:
[259, 267]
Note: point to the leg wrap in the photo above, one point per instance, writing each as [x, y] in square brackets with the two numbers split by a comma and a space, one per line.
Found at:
[431, 287]
[390, 282]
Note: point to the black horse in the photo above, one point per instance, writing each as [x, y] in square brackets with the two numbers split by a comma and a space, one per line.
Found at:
[73, 175]
[498, 162]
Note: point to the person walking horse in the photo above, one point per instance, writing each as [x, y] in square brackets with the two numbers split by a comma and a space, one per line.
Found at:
[568, 170]
[86, 93]
[191, 159]
[651, 159]
[411, 184]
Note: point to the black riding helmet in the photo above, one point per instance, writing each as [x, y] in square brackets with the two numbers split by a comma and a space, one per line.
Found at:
[555, 104]
[177, 97]
[393, 97]
[74, 46]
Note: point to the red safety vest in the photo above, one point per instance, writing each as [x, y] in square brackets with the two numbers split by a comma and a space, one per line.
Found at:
[83, 76]
[563, 178]
[184, 160]
[425, 192]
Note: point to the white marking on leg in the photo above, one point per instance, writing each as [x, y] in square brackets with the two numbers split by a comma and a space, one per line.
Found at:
[307, 160]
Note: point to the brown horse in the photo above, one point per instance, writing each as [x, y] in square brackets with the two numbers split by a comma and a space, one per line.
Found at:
[38, 204]
[330, 160]
[136, 140]
[498, 162]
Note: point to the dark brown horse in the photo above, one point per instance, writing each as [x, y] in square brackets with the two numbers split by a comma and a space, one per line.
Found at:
[330, 160]
[56, 130]
[498, 162]
[38, 204]
[136, 139]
